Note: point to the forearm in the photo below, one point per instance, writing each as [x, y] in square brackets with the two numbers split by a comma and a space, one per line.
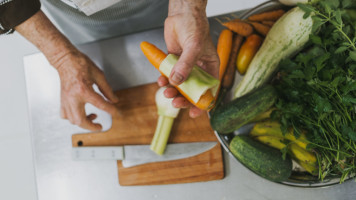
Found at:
[197, 7]
[40, 31]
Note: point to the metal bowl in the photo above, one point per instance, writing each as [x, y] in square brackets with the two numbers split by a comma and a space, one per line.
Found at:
[298, 178]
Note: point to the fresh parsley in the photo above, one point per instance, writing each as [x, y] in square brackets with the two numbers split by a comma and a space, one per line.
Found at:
[317, 87]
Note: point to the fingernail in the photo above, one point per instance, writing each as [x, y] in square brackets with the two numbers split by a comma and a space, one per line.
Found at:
[176, 78]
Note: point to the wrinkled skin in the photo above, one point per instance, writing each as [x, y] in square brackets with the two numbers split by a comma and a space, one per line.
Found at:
[186, 33]
[76, 71]
[78, 74]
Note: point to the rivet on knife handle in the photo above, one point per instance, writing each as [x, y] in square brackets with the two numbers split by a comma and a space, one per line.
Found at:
[98, 153]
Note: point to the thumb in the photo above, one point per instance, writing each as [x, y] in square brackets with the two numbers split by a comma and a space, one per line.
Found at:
[184, 66]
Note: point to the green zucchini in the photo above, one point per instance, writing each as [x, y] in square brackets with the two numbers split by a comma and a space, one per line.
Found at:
[233, 115]
[261, 159]
[286, 37]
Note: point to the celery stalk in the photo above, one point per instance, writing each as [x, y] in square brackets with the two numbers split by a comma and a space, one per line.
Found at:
[167, 113]
[161, 135]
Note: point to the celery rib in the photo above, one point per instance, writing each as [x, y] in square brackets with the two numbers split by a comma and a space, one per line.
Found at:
[161, 135]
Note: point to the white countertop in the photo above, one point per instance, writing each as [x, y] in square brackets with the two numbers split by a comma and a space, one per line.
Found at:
[17, 174]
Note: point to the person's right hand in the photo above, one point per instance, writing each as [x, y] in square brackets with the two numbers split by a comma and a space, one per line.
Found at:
[186, 33]
[78, 74]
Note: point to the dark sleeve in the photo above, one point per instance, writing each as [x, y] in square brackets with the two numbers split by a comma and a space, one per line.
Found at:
[14, 12]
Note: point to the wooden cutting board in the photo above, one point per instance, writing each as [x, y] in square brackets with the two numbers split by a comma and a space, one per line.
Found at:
[136, 123]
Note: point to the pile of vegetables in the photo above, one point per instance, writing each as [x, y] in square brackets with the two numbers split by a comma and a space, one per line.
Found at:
[238, 44]
[254, 29]
[309, 59]
[287, 36]
[317, 88]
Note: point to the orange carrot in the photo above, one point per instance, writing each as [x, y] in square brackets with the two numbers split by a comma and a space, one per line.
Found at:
[261, 28]
[267, 16]
[229, 76]
[247, 52]
[239, 27]
[224, 49]
[268, 23]
[228, 79]
[153, 54]
[156, 56]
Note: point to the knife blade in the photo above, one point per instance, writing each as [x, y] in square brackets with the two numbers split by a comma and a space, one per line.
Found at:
[133, 155]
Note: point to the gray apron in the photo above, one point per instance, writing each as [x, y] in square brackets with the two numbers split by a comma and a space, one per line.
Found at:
[124, 17]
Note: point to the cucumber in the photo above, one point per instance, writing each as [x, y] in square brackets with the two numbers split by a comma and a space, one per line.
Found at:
[233, 115]
[261, 159]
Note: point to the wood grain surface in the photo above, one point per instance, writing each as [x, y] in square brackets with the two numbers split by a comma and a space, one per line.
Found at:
[135, 123]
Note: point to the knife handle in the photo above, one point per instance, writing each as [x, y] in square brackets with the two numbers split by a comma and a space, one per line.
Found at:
[98, 153]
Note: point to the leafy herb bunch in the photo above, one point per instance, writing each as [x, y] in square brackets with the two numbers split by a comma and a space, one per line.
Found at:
[317, 88]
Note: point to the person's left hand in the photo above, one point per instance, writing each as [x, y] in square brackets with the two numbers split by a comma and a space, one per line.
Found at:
[186, 33]
[78, 74]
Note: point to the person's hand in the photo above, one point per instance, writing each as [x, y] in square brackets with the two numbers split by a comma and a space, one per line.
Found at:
[78, 74]
[186, 34]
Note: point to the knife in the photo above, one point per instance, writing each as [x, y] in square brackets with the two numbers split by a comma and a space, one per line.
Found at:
[133, 155]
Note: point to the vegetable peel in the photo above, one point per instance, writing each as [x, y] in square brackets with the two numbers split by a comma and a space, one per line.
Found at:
[197, 83]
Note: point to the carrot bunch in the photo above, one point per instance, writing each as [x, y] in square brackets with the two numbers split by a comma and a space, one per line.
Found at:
[261, 23]
[254, 29]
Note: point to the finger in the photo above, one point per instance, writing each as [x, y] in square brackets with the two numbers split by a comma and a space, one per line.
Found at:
[200, 63]
[99, 102]
[105, 88]
[79, 118]
[211, 59]
[180, 102]
[90, 125]
[185, 63]
[195, 112]
[170, 36]
[170, 92]
[162, 81]
[92, 117]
